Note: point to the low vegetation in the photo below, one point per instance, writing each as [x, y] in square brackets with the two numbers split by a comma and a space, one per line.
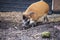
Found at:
[11, 16]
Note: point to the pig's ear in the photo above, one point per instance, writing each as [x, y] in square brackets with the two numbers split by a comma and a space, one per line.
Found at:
[31, 13]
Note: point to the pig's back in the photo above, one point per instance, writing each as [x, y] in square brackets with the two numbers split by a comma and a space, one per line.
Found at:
[39, 9]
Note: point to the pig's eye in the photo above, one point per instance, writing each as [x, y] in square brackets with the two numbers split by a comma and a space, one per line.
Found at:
[25, 18]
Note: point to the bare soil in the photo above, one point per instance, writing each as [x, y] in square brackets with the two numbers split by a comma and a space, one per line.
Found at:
[9, 32]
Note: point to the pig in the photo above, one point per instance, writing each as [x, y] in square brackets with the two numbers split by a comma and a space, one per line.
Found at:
[35, 11]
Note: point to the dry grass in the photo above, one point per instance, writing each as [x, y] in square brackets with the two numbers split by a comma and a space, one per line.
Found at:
[51, 18]
[54, 17]
[17, 17]
[11, 16]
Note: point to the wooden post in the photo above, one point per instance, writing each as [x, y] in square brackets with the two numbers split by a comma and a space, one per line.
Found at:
[42, 0]
[56, 5]
[52, 4]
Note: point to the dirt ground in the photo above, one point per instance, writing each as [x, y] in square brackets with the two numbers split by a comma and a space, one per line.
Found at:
[9, 32]
[11, 29]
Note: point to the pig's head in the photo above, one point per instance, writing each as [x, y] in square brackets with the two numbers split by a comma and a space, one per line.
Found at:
[27, 20]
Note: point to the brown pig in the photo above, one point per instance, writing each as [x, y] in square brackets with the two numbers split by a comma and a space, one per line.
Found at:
[36, 10]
